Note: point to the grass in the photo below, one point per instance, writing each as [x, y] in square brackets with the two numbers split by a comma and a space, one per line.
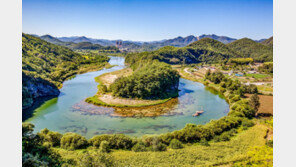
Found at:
[264, 89]
[258, 76]
[220, 153]
[217, 154]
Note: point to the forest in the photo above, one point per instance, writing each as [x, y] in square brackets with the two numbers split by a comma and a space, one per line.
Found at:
[151, 80]
[207, 51]
[45, 66]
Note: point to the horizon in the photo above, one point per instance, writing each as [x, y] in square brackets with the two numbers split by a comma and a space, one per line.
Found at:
[150, 20]
[142, 41]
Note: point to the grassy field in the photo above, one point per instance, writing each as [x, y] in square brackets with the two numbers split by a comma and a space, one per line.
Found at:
[226, 153]
[258, 76]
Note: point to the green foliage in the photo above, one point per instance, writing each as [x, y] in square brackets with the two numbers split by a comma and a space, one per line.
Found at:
[52, 138]
[139, 147]
[205, 50]
[234, 86]
[34, 154]
[72, 141]
[176, 144]
[254, 102]
[151, 80]
[268, 42]
[241, 61]
[251, 49]
[258, 156]
[49, 64]
[95, 159]
[266, 68]
[104, 147]
[246, 123]
[117, 141]
[204, 142]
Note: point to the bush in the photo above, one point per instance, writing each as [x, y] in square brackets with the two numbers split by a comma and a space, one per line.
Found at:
[117, 141]
[246, 123]
[104, 147]
[50, 138]
[96, 159]
[204, 142]
[176, 144]
[139, 147]
[154, 144]
[72, 141]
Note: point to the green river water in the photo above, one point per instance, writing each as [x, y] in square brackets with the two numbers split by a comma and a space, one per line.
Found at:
[59, 114]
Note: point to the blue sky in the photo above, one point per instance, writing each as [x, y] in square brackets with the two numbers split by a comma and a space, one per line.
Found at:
[148, 20]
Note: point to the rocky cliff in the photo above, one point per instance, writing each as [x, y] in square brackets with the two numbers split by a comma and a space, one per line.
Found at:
[34, 88]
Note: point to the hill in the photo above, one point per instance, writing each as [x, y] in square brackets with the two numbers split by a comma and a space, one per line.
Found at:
[249, 48]
[45, 66]
[268, 42]
[52, 39]
[222, 39]
[72, 43]
[205, 50]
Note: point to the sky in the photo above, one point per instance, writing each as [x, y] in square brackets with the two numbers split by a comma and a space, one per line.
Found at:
[148, 20]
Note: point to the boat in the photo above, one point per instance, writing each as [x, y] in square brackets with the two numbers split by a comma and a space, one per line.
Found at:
[198, 112]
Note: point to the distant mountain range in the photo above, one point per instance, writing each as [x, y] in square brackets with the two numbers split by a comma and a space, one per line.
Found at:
[135, 45]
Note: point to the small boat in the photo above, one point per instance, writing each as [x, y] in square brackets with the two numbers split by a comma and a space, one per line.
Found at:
[197, 113]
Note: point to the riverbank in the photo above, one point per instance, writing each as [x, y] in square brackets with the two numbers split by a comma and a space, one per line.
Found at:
[28, 112]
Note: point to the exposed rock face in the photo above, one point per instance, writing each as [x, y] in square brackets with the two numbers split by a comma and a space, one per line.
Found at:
[33, 88]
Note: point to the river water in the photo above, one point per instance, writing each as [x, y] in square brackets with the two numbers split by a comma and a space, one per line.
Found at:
[58, 114]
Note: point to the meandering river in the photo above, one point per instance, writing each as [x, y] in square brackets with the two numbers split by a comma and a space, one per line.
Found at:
[58, 114]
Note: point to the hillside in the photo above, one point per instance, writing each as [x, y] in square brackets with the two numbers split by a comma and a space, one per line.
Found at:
[268, 42]
[45, 66]
[52, 40]
[81, 43]
[249, 48]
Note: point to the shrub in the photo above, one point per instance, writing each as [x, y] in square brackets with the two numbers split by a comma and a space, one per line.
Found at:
[176, 144]
[204, 142]
[104, 147]
[154, 144]
[72, 141]
[246, 123]
[139, 147]
[49, 137]
[97, 159]
[117, 141]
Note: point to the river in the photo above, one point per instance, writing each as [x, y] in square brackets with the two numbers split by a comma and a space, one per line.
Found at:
[57, 114]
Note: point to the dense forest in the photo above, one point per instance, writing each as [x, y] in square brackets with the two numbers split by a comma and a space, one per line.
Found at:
[249, 48]
[45, 66]
[151, 80]
[208, 51]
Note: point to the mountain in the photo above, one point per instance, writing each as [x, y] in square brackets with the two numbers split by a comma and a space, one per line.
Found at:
[268, 42]
[52, 39]
[260, 40]
[81, 39]
[178, 42]
[249, 48]
[212, 45]
[205, 50]
[222, 39]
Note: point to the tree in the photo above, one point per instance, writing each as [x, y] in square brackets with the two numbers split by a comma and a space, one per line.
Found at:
[254, 102]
